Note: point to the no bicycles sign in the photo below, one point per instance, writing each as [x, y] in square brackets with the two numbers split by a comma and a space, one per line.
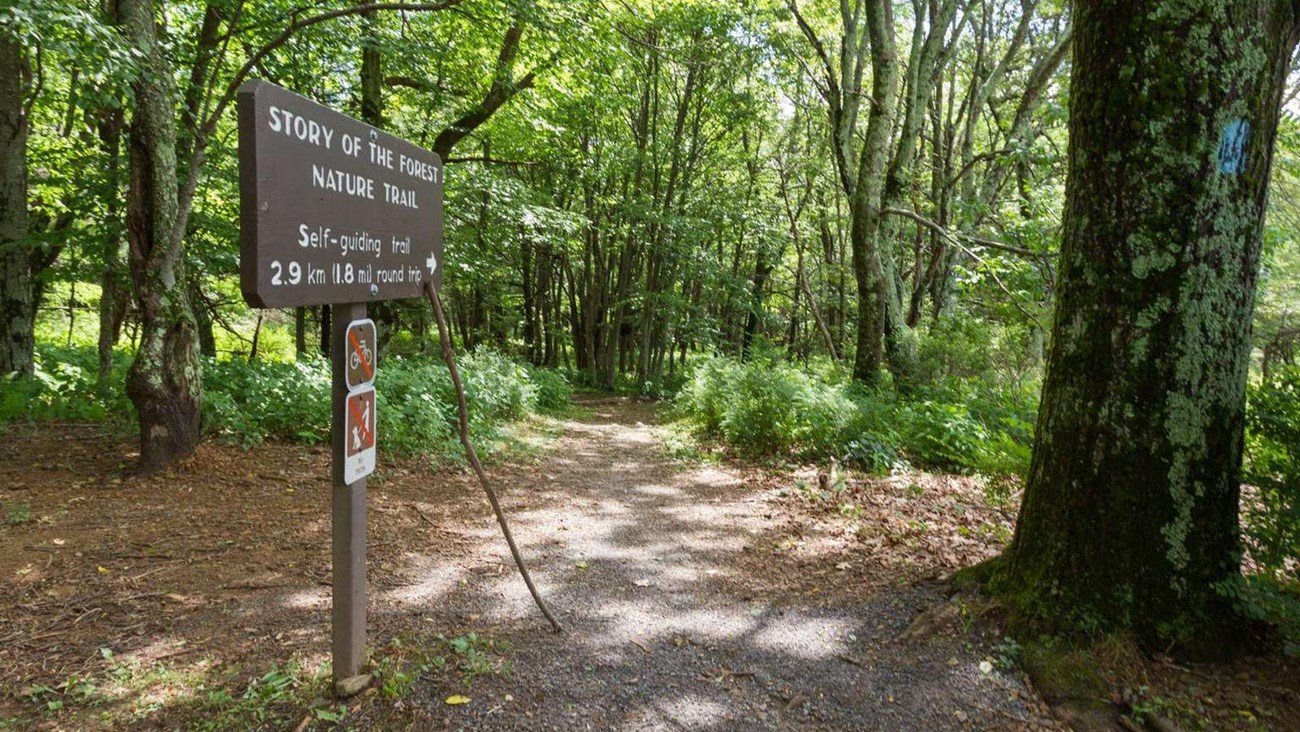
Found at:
[361, 349]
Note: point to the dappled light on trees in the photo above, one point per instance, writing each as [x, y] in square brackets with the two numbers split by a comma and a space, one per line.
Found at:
[770, 315]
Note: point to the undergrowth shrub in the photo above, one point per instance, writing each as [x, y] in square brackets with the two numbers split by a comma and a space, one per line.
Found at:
[942, 434]
[416, 406]
[247, 403]
[496, 388]
[415, 399]
[766, 406]
[1272, 466]
[64, 388]
[552, 390]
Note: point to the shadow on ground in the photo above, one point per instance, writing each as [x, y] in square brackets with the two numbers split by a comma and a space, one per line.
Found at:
[132, 602]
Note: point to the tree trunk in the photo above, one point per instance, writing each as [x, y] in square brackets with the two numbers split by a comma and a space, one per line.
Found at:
[110, 123]
[1130, 510]
[164, 381]
[202, 320]
[758, 284]
[17, 300]
[325, 331]
[299, 333]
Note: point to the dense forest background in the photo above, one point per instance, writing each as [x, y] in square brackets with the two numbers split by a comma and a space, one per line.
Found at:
[828, 231]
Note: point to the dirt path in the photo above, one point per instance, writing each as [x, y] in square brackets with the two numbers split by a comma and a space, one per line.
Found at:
[696, 596]
[678, 614]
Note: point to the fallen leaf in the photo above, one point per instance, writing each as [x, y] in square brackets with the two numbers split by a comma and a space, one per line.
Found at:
[580, 564]
[102, 569]
[642, 583]
[457, 699]
[986, 667]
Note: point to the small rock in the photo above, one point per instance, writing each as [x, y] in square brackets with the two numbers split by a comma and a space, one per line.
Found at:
[350, 686]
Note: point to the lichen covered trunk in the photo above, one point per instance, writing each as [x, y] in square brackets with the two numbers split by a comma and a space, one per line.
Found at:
[1130, 514]
[866, 202]
[164, 379]
[17, 301]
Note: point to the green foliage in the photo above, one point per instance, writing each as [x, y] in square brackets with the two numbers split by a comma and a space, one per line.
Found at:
[769, 407]
[497, 388]
[247, 403]
[416, 400]
[64, 388]
[1262, 599]
[1272, 522]
[553, 394]
[404, 661]
[942, 433]
[16, 513]
[1006, 654]
[275, 698]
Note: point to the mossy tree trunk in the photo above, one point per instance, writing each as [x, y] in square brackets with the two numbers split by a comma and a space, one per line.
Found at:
[866, 39]
[1130, 514]
[164, 381]
[17, 298]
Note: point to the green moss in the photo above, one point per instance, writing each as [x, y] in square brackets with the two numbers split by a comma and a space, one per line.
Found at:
[980, 574]
[1065, 674]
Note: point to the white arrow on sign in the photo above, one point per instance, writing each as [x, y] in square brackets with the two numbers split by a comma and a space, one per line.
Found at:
[432, 264]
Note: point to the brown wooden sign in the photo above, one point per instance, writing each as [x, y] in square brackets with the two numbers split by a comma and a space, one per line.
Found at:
[331, 209]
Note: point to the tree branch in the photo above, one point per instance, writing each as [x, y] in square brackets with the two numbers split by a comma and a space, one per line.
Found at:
[205, 131]
[493, 161]
[814, 41]
[955, 235]
[503, 89]
[296, 25]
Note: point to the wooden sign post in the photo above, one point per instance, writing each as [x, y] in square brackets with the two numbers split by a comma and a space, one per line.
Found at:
[335, 212]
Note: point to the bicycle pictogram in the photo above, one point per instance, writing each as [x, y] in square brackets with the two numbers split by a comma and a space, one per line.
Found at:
[362, 356]
[360, 349]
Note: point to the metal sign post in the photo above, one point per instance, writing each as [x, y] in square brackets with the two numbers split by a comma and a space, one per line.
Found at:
[335, 212]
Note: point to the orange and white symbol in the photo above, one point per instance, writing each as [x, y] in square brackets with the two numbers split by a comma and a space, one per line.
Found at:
[360, 354]
[359, 436]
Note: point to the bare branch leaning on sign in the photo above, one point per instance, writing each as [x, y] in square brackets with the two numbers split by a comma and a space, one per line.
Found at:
[449, 357]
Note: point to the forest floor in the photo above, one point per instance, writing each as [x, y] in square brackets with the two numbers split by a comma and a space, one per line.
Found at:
[696, 594]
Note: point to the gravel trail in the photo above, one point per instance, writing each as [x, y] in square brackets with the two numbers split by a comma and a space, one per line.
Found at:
[676, 619]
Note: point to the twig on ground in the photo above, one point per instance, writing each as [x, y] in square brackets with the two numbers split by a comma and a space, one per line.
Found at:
[419, 511]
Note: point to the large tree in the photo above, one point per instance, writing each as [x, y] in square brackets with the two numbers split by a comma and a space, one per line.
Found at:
[166, 160]
[867, 42]
[1130, 514]
[16, 296]
[164, 380]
